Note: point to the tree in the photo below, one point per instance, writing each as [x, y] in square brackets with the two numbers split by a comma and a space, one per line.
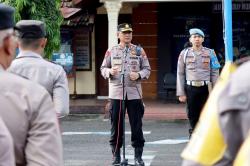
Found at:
[43, 10]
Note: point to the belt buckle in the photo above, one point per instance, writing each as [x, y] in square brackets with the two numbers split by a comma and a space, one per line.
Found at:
[198, 83]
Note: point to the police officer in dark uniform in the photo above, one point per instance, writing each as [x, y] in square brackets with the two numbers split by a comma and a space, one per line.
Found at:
[197, 68]
[133, 61]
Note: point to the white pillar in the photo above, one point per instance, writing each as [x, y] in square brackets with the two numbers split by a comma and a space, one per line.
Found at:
[113, 7]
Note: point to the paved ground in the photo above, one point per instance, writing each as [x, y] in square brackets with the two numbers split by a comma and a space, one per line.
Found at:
[86, 141]
[155, 109]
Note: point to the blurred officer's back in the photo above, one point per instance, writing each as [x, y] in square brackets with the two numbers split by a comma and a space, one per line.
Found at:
[6, 143]
[30, 64]
[242, 158]
[26, 109]
[6, 49]
[224, 124]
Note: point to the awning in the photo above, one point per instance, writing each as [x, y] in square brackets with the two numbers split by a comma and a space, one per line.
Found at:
[81, 20]
[68, 12]
[75, 2]
[79, 12]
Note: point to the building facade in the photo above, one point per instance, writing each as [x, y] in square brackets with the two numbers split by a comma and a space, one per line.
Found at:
[161, 27]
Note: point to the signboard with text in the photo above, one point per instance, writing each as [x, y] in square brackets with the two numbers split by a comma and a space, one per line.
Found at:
[65, 60]
[81, 49]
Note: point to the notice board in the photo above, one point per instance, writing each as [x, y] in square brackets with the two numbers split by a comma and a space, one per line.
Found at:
[81, 49]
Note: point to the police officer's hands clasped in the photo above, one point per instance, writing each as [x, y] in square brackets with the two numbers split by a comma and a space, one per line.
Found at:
[183, 99]
[134, 76]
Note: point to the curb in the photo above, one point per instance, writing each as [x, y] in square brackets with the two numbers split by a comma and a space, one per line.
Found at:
[87, 110]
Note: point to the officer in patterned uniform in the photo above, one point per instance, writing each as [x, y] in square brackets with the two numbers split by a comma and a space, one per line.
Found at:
[132, 60]
[26, 107]
[30, 64]
[197, 68]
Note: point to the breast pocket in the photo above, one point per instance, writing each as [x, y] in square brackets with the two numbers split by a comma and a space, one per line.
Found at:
[134, 65]
[117, 63]
[205, 62]
[190, 63]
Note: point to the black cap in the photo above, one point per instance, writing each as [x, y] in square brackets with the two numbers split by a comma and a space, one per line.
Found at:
[30, 29]
[124, 27]
[6, 17]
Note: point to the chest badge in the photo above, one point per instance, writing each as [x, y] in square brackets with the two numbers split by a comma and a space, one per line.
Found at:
[133, 52]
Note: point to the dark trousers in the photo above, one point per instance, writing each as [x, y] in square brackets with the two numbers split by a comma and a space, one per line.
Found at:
[135, 110]
[196, 99]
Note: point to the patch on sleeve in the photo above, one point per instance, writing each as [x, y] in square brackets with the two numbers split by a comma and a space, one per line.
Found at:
[214, 61]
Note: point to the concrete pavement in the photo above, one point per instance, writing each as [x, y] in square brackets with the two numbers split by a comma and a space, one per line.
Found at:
[161, 110]
[154, 109]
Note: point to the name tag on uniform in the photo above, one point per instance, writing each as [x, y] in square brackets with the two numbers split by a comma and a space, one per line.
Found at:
[190, 59]
[133, 57]
[117, 62]
[205, 61]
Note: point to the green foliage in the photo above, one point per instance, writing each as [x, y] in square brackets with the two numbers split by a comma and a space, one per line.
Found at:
[43, 10]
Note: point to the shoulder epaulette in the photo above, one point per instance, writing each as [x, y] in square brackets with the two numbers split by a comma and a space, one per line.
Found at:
[24, 77]
[50, 61]
[207, 48]
[115, 47]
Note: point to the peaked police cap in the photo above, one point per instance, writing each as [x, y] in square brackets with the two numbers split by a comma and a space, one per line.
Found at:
[31, 29]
